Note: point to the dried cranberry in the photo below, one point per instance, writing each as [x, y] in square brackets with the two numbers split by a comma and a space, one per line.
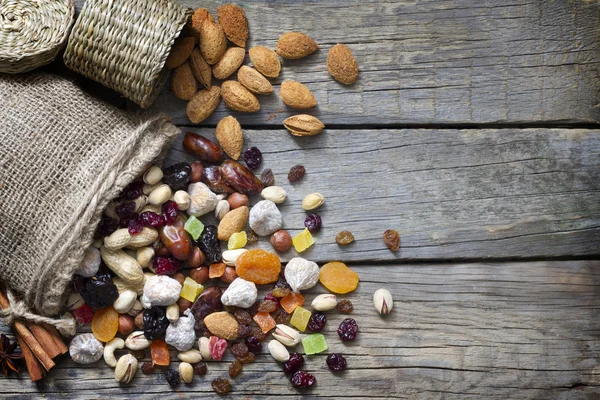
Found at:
[295, 363]
[135, 226]
[152, 219]
[170, 211]
[177, 176]
[173, 377]
[313, 223]
[165, 265]
[84, 314]
[107, 226]
[302, 379]
[134, 190]
[243, 317]
[254, 345]
[217, 347]
[253, 157]
[296, 173]
[125, 210]
[348, 329]
[336, 362]
[155, 322]
[317, 322]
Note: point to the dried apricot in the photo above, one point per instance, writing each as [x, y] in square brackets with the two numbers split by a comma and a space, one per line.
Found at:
[338, 278]
[105, 324]
[291, 302]
[258, 266]
[159, 351]
[216, 270]
[264, 321]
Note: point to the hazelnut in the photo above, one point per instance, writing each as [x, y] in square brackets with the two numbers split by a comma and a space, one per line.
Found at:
[237, 200]
[200, 275]
[281, 241]
[126, 324]
[229, 275]
[183, 304]
[139, 320]
[197, 258]
[179, 277]
[197, 170]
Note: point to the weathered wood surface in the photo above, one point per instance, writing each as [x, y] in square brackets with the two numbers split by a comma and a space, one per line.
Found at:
[463, 331]
[450, 193]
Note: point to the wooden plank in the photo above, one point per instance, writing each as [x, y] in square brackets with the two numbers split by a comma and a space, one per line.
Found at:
[457, 331]
[450, 193]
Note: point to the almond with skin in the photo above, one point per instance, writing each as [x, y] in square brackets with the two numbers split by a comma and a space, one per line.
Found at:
[230, 137]
[294, 45]
[198, 18]
[234, 221]
[229, 63]
[254, 81]
[342, 65]
[234, 23]
[303, 125]
[238, 98]
[183, 83]
[203, 104]
[296, 95]
[180, 52]
[212, 42]
[200, 68]
[265, 61]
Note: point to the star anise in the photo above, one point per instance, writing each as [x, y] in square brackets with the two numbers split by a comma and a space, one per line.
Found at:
[8, 355]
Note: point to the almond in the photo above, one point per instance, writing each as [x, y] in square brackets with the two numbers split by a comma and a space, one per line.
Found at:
[180, 52]
[229, 63]
[254, 81]
[222, 324]
[234, 23]
[198, 18]
[296, 95]
[212, 42]
[230, 137]
[234, 221]
[265, 61]
[200, 68]
[294, 45]
[342, 65]
[303, 125]
[183, 83]
[203, 104]
[238, 98]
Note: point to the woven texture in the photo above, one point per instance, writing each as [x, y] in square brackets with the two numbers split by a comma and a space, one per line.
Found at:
[63, 156]
[32, 32]
[124, 44]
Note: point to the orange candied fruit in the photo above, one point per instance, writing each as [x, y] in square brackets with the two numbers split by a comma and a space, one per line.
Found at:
[338, 278]
[258, 266]
[291, 302]
[216, 270]
[105, 324]
[264, 321]
[159, 351]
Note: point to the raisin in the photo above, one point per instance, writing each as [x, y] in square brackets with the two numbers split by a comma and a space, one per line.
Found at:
[243, 316]
[235, 368]
[173, 377]
[200, 369]
[317, 322]
[100, 291]
[210, 245]
[244, 330]
[348, 329]
[124, 222]
[281, 288]
[267, 306]
[134, 190]
[313, 223]
[253, 157]
[295, 363]
[152, 219]
[148, 367]
[239, 349]
[221, 385]
[248, 358]
[170, 211]
[296, 173]
[258, 334]
[251, 236]
[165, 265]
[302, 379]
[125, 210]
[336, 362]
[267, 178]
[253, 344]
[208, 302]
[345, 306]
[391, 238]
[107, 226]
[155, 322]
[177, 176]
[281, 316]
[344, 237]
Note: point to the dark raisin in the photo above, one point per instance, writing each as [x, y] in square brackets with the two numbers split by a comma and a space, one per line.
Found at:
[148, 367]
[258, 333]
[313, 223]
[267, 178]
[210, 245]
[125, 210]
[247, 359]
[208, 302]
[336, 362]
[296, 173]
[317, 322]
[345, 306]
[348, 329]
[253, 157]
[124, 222]
[155, 322]
[107, 225]
[244, 331]
[302, 379]
[391, 238]
[267, 306]
[134, 190]
[165, 265]
[239, 349]
[281, 316]
[170, 211]
[235, 368]
[243, 316]
[100, 291]
[254, 345]
[269, 296]
[200, 369]
[177, 176]
[344, 237]
[281, 288]
[221, 385]
[251, 236]
[78, 283]
[295, 363]
[152, 219]
[173, 377]
[135, 226]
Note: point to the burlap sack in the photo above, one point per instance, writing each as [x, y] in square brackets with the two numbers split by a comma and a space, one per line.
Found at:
[63, 156]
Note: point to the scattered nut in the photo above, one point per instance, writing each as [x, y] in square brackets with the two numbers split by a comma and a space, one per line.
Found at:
[230, 256]
[236, 200]
[126, 324]
[288, 336]
[90, 263]
[125, 301]
[75, 301]
[187, 372]
[191, 356]
[137, 341]
[221, 209]
[182, 198]
[383, 302]
[144, 256]
[153, 175]
[204, 347]
[222, 324]
[274, 193]
[126, 368]
[324, 302]
[281, 241]
[109, 351]
[278, 351]
[136, 308]
[173, 312]
[313, 201]
[160, 195]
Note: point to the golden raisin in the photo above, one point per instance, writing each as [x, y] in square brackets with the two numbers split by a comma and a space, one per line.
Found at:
[105, 324]
[344, 237]
[258, 266]
[338, 278]
[391, 238]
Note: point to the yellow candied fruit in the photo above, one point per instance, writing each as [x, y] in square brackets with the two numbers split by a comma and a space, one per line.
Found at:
[237, 240]
[300, 318]
[191, 289]
[302, 241]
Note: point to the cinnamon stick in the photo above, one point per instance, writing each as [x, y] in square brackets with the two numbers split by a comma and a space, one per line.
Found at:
[58, 340]
[45, 339]
[36, 372]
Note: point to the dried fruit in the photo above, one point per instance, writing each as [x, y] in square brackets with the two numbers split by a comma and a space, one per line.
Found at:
[200, 69]
[291, 302]
[233, 21]
[217, 347]
[194, 227]
[342, 65]
[267, 306]
[191, 289]
[266, 178]
[181, 50]
[221, 385]
[314, 344]
[165, 265]
[281, 241]
[159, 351]
[197, 170]
[152, 219]
[176, 239]
[208, 302]
[239, 349]
[214, 179]
[210, 245]
[336, 362]
[391, 238]
[240, 178]
[344, 237]
[243, 316]
[265, 61]
[254, 81]
[281, 316]
[238, 98]
[296, 95]
[229, 134]
[148, 367]
[235, 368]
[317, 322]
[177, 176]
[281, 288]
[173, 377]
[345, 306]
[133, 190]
[183, 82]
[231, 60]
[216, 270]
[348, 329]
[296, 173]
[302, 379]
[313, 223]
[200, 369]
[258, 266]
[300, 318]
[303, 241]
[253, 157]
[86, 349]
[105, 324]
[338, 278]
[212, 42]
[254, 345]
[233, 222]
[155, 323]
[294, 45]
[99, 291]
[247, 359]
[240, 293]
[84, 314]
[264, 321]
[303, 125]
[170, 211]
[252, 236]
[301, 274]
[160, 290]
[295, 363]
[237, 240]
[203, 104]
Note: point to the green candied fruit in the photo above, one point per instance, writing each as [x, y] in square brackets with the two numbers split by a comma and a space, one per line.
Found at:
[314, 344]
[194, 227]
[300, 318]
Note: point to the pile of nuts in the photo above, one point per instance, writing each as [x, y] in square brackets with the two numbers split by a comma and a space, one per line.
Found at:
[156, 276]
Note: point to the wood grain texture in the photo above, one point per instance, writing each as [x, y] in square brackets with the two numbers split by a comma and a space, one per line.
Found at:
[462, 331]
[450, 193]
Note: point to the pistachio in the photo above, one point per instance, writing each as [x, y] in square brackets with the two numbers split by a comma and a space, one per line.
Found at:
[383, 302]
[75, 301]
[137, 341]
[222, 208]
[278, 351]
[173, 312]
[191, 356]
[288, 336]
[274, 193]
[313, 201]
[187, 372]
[182, 198]
[203, 345]
[126, 368]
[324, 302]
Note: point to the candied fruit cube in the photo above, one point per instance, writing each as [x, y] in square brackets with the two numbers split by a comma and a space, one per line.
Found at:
[194, 227]
[216, 270]
[191, 289]
[237, 240]
[314, 344]
[291, 301]
[159, 351]
[264, 321]
[300, 318]
[303, 241]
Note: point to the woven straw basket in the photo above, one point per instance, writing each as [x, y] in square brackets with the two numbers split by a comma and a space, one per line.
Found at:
[123, 44]
[32, 32]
